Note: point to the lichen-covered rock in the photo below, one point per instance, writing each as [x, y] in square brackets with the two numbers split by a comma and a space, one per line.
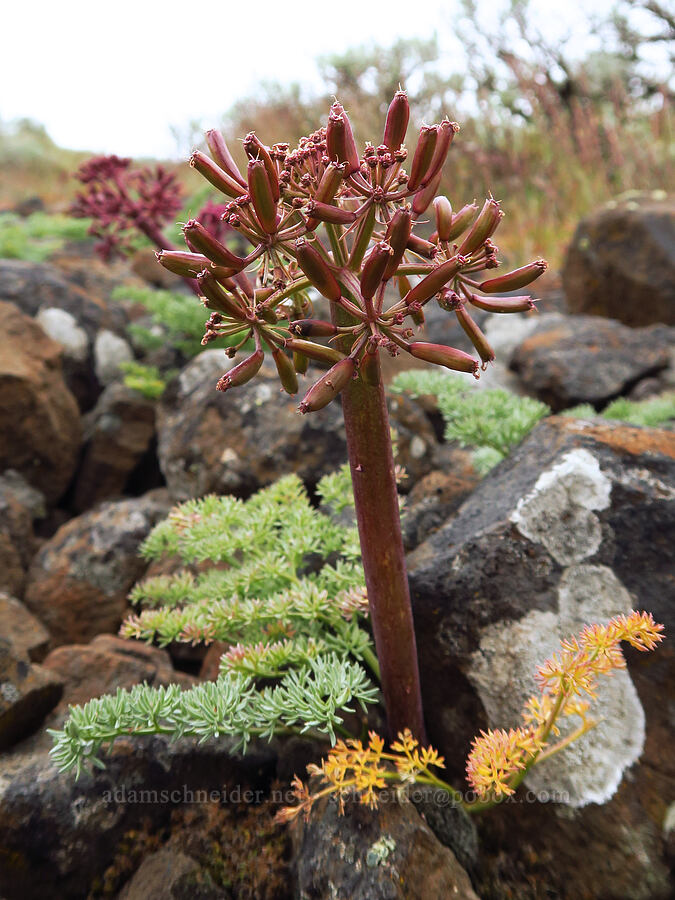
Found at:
[574, 527]
[381, 854]
[239, 441]
[588, 359]
[20, 505]
[79, 581]
[27, 634]
[621, 265]
[117, 434]
[39, 417]
[27, 693]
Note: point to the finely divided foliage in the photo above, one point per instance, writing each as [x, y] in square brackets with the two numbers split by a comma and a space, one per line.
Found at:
[284, 588]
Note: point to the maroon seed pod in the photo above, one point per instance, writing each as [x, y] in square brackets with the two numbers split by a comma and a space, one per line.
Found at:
[217, 298]
[519, 278]
[369, 367]
[255, 149]
[262, 195]
[484, 227]
[425, 195]
[314, 351]
[328, 386]
[475, 335]
[285, 370]
[396, 124]
[462, 220]
[340, 144]
[317, 271]
[312, 328]
[243, 372]
[503, 304]
[443, 211]
[217, 176]
[324, 212]
[397, 236]
[187, 265]
[446, 132]
[374, 268]
[224, 276]
[221, 154]
[420, 246]
[243, 282]
[441, 355]
[433, 282]
[204, 242]
[300, 362]
[328, 188]
[424, 153]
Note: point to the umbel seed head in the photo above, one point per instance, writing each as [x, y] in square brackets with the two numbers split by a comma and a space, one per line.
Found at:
[342, 220]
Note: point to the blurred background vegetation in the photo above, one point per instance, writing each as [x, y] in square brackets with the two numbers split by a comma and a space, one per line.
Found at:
[550, 133]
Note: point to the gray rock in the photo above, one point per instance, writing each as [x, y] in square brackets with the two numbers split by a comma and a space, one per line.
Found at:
[588, 359]
[78, 582]
[621, 262]
[61, 326]
[109, 351]
[380, 854]
[574, 527]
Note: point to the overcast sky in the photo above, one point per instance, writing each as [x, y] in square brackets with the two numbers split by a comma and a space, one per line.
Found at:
[115, 77]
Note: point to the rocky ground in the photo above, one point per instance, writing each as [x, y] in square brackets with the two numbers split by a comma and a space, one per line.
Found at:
[575, 526]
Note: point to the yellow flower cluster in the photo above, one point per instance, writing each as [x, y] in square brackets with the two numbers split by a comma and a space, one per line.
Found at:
[499, 760]
[352, 768]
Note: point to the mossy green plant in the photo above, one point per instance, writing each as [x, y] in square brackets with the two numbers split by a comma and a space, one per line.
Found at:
[39, 236]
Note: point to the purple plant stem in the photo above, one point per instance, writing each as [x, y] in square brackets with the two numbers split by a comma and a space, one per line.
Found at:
[374, 483]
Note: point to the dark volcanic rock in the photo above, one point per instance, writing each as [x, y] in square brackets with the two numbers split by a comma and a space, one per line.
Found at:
[58, 834]
[621, 263]
[118, 433]
[381, 854]
[27, 693]
[39, 417]
[588, 359]
[574, 527]
[78, 582]
[246, 438]
[20, 505]
[27, 634]
[34, 286]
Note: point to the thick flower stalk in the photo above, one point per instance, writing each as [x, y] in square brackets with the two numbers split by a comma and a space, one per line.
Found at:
[330, 219]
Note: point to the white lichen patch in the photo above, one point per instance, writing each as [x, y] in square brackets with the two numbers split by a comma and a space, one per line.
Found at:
[502, 672]
[588, 594]
[590, 769]
[558, 512]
